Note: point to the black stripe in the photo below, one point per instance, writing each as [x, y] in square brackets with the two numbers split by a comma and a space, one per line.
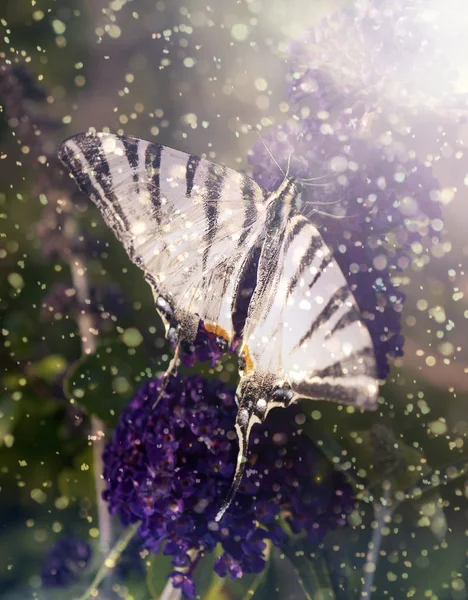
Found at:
[315, 244]
[347, 319]
[245, 285]
[95, 155]
[323, 265]
[192, 166]
[76, 166]
[214, 185]
[131, 152]
[353, 394]
[335, 302]
[361, 363]
[250, 210]
[70, 160]
[152, 281]
[296, 229]
[153, 169]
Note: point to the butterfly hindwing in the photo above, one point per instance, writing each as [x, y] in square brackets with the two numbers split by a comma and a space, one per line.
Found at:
[303, 336]
[330, 355]
[304, 327]
[188, 223]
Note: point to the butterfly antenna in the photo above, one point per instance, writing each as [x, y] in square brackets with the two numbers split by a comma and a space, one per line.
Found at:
[305, 183]
[317, 203]
[289, 164]
[244, 424]
[171, 370]
[271, 155]
[325, 214]
[316, 178]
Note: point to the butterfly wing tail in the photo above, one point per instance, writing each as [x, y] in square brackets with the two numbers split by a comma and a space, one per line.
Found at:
[244, 422]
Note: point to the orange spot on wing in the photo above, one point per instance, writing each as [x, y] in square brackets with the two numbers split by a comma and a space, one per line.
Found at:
[217, 330]
[249, 365]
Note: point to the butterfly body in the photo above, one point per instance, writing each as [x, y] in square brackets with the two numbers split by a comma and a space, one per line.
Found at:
[199, 231]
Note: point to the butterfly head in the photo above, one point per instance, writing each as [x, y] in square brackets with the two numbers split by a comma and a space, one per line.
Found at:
[284, 201]
[288, 189]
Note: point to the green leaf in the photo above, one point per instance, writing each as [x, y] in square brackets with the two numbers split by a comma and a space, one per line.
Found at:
[431, 513]
[103, 382]
[343, 550]
[439, 477]
[10, 411]
[77, 482]
[334, 452]
[257, 584]
[412, 462]
[49, 368]
[157, 570]
[281, 581]
[216, 589]
[311, 570]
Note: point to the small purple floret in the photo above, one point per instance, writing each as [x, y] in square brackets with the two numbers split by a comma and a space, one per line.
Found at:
[65, 562]
[172, 467]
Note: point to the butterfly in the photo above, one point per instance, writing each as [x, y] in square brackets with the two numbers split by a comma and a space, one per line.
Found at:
[196, 229]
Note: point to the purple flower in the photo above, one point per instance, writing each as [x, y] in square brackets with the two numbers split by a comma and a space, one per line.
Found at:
[351, 71]
[185, 583]
[65, 562]
[373, 202]
[402, 53]
[172, 467]
[205, 347]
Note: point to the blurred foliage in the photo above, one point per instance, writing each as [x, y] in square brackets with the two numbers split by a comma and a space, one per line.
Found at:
[101, 64]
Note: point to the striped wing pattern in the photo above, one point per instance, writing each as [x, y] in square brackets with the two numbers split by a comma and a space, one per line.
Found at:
[193, 227]
[187, 222]
[304, 323]
[303, 336]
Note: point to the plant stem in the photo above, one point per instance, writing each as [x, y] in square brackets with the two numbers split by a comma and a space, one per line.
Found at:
[98, 428]
[170, 592]
[110, 561]
[382, 516]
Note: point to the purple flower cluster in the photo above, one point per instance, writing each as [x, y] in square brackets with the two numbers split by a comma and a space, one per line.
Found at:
[172, 467]
[205, 347]
[379, 204]
[65, 562]
[376, 53]
[372, 199]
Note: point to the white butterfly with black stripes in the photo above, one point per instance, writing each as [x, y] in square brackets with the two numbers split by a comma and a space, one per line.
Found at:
[195, 229]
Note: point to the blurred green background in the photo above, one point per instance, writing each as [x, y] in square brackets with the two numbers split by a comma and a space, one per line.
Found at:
[197, 77]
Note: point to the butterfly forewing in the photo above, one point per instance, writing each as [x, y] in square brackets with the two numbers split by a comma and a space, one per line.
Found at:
[188, 223]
